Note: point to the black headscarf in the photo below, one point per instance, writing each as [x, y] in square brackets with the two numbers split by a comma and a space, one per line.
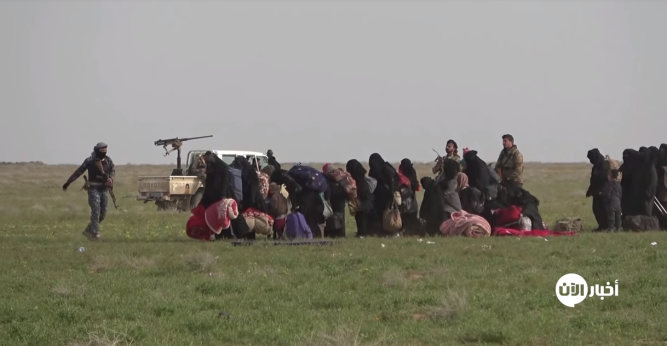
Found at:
[383, 172]
[216, 185]
[477, 171]
[376, 164]
[409, 172]
[358, 173]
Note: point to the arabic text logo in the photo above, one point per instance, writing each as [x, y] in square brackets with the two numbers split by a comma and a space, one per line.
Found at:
[572, 289]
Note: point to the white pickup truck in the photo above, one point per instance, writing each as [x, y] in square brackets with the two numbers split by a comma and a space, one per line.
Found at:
[183, 193]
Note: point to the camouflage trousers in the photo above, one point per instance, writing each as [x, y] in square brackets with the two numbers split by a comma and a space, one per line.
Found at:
[98, 201]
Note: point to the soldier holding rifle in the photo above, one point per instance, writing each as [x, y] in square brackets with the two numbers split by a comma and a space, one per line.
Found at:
[452, 153]
[101, 172]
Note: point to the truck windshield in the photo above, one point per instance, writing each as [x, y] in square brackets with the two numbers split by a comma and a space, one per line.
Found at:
[228, 159]
[261, 160]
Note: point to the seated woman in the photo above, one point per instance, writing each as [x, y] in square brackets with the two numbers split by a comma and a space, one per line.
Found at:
[216, 189]
[522, 198]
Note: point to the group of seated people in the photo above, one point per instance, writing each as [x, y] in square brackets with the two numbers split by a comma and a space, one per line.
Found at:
[243, 202]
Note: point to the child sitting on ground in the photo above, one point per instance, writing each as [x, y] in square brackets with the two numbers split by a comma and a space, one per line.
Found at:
[611, 199]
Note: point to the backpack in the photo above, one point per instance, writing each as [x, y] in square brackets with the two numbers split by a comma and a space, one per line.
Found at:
[309, 178]
[569, 224]
[614, 165]
[236, 182]
[344, 179]
[296, 226]
[408, 201]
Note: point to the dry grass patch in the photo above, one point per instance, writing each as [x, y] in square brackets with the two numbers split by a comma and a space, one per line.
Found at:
[102, 263]
[402, 278]
[201, 262]
[65, 291]
[395, 278]
[74, 208]
[449, 307]
[138, 263]
[263, 271]
[343, 337]
[107, 338]
[61, 290]
[38, 208]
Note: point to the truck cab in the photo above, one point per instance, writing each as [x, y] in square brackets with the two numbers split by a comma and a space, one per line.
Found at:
[228, 156]
[183, 193]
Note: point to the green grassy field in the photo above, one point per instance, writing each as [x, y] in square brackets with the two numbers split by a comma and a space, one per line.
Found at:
[146, 283]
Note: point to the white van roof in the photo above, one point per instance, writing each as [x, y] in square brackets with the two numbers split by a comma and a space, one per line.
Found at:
[230, 152]
[238, 152]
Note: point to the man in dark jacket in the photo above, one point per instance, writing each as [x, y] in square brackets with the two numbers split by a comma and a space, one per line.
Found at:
[101, 173]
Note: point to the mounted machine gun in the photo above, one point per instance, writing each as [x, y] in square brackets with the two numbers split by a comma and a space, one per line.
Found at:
[176, 144]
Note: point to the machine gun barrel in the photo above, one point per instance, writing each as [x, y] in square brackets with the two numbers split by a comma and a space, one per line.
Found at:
[165, 142]
[176, 144]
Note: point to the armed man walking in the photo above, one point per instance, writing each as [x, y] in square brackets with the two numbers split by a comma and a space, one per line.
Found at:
[101, 171]
[510, 164]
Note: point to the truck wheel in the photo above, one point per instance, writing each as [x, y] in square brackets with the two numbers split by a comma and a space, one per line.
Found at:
[183, 204]
[166, 205]
[196, 198]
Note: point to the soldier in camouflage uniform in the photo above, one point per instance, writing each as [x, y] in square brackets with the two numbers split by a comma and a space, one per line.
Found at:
[452, 153]
[510, 164]
[101, 172]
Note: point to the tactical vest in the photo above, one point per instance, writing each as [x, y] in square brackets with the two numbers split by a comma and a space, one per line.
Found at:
[94, 173]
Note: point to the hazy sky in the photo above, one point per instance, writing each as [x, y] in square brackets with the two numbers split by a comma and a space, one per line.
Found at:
[327, 81]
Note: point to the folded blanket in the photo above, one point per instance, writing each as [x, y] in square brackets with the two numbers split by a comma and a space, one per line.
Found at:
[218, 215]
[469, 225]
